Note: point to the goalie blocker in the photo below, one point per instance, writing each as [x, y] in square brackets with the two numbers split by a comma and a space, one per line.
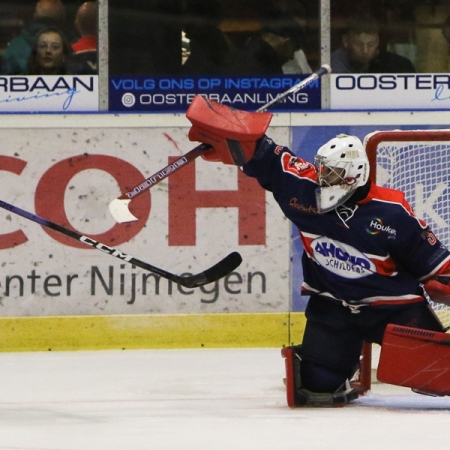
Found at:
[231, 133]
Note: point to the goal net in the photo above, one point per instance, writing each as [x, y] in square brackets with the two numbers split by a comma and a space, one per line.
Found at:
[418, 164]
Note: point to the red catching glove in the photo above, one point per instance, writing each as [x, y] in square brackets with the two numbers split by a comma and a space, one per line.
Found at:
[231, 132]
[438, 289]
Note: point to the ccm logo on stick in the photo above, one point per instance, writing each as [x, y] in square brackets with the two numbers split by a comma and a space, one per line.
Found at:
[104, 248]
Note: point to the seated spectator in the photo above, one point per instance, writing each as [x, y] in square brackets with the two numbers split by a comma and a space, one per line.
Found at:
[292, 60]
[361, 53]
[17, 53]
[283, 47]
[50, 53]
[210, 51]
[84, 58]
[297, 64]
[287, 19]
[261, 55]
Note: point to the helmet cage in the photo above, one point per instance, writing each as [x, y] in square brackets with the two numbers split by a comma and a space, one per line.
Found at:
[342, 166]
[331, 173]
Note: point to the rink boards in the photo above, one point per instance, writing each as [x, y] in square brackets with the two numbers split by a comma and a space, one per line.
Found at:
[57, 293]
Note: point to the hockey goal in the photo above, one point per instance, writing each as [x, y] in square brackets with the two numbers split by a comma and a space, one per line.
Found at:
[416, 162]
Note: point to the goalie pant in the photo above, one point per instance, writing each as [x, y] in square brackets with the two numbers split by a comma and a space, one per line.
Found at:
[363, 265]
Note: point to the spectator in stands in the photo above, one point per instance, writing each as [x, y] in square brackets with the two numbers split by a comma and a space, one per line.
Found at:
[291, 58]
[262, 55]
[50, 53]
[210, 51]
[84, 58]
[361, 53]
[283, 46]
[16, 55]
[287, 19]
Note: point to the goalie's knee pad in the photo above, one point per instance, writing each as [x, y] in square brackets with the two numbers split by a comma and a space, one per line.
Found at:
[298, 395]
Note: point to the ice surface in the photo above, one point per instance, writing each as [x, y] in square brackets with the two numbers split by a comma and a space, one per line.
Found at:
[226, 399]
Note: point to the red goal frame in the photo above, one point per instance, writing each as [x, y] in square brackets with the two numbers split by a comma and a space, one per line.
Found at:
[371, 142]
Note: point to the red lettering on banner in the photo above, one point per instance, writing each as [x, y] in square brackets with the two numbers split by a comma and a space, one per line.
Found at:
[249, 198]
[49, 197]
[15, 238]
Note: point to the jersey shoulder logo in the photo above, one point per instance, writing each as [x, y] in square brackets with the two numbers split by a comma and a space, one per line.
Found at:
[297, 166]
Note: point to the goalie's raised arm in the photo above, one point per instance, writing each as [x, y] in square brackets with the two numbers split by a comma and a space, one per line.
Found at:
[231, 133]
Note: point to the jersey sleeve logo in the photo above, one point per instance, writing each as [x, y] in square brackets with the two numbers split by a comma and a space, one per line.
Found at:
[429, 236]
[297, 166]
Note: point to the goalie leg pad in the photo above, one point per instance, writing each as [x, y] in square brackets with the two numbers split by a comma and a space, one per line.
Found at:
[231, 132]
[296, 395]
[415, 358]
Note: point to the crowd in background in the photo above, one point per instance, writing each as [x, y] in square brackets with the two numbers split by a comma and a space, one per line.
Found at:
[48, 45]
[274, 37]
[232, 37]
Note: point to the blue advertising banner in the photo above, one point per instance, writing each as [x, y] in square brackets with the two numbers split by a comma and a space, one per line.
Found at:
[174, 94]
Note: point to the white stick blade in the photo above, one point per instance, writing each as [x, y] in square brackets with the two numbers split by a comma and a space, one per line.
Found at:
[119, 210]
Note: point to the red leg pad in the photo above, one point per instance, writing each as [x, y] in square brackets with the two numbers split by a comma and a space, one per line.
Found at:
[415, 358]
[289, 355]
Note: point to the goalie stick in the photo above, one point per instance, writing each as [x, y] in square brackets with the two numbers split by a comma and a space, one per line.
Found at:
[119, 206]
[214, 273]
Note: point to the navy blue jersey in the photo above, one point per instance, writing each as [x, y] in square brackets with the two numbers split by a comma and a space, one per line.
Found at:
[373, 251]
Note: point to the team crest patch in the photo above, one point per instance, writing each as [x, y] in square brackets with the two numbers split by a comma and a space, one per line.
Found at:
[294, 165]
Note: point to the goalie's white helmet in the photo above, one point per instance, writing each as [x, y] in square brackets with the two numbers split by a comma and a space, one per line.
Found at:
[342, 167]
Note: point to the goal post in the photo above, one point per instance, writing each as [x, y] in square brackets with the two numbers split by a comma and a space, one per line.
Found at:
[416, 162]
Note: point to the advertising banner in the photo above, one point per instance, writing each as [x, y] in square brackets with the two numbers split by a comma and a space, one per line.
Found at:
[186, 224]
[52, 93]
[159, 94]
[389, 91]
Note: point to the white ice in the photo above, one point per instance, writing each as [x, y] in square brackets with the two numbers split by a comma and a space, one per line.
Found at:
[226, 399]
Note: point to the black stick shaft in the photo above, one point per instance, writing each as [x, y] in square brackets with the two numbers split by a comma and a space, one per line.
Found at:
[221, 269]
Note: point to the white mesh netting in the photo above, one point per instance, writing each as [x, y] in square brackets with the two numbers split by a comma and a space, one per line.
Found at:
[420, 167]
